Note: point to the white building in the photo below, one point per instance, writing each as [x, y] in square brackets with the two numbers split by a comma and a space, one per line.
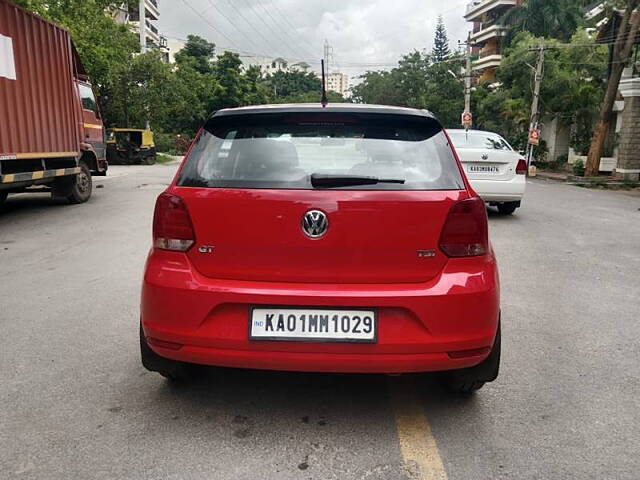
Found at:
[338, 82]
[270, 66]
[129, 13]
[174, 45]
[275, 65]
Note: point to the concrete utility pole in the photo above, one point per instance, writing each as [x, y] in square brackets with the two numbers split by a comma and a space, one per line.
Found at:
[466, 118]
[533, 125]
[467, 77]
[142, 14]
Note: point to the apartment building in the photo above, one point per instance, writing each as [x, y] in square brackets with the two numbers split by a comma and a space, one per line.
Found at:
[129, 13]
[338, 82]
[487, 34]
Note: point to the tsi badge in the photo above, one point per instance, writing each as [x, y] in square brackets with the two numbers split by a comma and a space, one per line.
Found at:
[206, 248]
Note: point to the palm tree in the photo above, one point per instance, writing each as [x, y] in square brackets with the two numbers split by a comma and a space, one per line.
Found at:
[544, 18]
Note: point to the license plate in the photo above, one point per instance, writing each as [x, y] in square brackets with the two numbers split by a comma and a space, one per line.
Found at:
[313, 324]
[483, 169]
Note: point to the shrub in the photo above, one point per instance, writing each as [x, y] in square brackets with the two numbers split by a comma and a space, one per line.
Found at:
[165, 142]
[172, 144]
[578, 168]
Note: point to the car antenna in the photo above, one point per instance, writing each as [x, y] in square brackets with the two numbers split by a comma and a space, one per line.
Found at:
[324, 99]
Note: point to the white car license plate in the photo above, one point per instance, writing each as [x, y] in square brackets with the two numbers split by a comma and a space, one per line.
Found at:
[484, 169]
[313, 324]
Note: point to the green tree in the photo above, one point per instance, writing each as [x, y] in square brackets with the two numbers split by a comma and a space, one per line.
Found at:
[191, 99]
[285, 84]
[571, 90]
[411, 78]
[133, 89]
[143, 91]
[229, 75]
[257, 89]
[199, 52]
[419, 83]
[441, 49]
[103, 45]
[377, 87]
[544, 18]
[444, 92]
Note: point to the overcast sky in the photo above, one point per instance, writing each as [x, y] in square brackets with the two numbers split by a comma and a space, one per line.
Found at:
[364, 34]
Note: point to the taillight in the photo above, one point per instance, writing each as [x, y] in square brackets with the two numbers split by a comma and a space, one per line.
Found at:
[521, 168]
[465, 231]
[172, 227]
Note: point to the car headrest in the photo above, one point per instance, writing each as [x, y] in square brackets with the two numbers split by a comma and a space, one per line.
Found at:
[269, 153]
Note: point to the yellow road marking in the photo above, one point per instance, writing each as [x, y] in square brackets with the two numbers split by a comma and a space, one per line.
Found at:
[417, 444]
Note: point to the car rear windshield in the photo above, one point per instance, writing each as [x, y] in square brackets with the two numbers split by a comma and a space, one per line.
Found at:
[479, 140]
[285, 151]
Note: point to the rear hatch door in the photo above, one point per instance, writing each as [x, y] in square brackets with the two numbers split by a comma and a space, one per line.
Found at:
[249, 181]
[372, 237]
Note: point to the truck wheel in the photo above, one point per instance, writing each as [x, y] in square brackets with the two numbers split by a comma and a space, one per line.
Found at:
[81, 190]
[468, 380]
[170, 369]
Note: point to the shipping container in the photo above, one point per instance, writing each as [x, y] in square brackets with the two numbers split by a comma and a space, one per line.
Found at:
[50, 127]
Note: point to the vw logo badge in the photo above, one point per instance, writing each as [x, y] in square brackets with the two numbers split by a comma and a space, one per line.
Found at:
[315, 223]
[485, 156]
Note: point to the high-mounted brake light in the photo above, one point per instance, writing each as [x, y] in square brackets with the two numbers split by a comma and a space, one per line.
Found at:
[521, 168]
[465, 232]
[172, 227]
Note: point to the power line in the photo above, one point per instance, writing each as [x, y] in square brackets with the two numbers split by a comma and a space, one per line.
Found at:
[285, 30]
[286, 20]
[275, 32]
[209, 23]
[233, 25]
[239, 12]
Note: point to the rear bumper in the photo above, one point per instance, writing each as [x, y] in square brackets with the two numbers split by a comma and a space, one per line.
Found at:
[420, 325]
[501, 191]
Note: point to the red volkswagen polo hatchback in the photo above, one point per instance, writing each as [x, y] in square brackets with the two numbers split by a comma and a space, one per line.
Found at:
[337, 239]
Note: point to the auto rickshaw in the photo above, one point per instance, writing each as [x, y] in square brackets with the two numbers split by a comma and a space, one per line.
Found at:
[130, 146]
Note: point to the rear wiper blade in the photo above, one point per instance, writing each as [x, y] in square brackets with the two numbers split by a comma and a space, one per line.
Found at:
[326, 180]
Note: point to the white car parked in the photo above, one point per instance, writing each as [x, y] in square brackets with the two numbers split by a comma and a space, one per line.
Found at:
[496, 171]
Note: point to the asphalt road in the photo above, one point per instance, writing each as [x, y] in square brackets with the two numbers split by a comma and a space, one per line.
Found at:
[76, 403]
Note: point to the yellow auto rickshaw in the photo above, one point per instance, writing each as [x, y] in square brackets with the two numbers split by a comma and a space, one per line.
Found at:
[130, 146]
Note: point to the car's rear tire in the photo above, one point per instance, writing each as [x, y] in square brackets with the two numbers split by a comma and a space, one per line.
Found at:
[468, 380]
[172, 370]
[507, 208]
